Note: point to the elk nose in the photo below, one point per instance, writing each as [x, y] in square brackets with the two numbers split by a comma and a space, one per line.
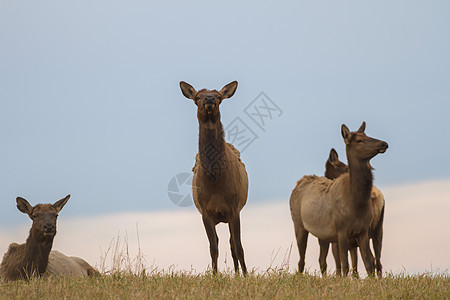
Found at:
[384, 145]
[49, 227]
[209, 99]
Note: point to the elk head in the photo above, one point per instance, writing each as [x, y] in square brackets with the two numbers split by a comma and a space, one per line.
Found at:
[334, 167]
[43, 215]
[208, 101]
[360, 146]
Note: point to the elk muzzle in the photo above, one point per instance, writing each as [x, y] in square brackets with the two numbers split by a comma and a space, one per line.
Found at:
[49, 228]
[383, 147]
[210, 103]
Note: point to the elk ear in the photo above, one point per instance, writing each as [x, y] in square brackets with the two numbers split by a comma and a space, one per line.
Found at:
[187, 90]
[24, 206]
[345, 133]
[362, 128]
[228, 90]
[333, 158]
[60, 203]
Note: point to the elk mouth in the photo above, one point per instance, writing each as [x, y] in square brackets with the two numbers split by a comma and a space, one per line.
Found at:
[209, 107]
[49, 234]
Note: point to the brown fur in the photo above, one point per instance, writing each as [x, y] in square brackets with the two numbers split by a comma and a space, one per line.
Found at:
[339, 210]
[35, 258]
[333, 169]
[220, 183]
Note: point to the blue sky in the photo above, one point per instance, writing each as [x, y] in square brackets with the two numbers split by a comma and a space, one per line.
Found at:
[90, 103]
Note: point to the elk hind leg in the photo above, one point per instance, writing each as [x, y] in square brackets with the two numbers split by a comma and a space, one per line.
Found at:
[377, 240]
[366, 254]
[337, 258]
[302, 240]
[354, 257]
[324, 246]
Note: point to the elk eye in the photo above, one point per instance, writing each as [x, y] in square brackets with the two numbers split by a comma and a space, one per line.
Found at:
[359, 141]
[197, 98]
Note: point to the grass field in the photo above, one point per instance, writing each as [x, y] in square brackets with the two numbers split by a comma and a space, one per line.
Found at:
[125, 277]
[121, 285]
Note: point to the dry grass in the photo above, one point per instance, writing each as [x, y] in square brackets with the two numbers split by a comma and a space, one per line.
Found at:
[184, 285]
[128, 279]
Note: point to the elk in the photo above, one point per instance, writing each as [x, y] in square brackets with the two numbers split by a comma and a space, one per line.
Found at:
[220, 183]
[333, 169]
[35, 257]
[339, 210]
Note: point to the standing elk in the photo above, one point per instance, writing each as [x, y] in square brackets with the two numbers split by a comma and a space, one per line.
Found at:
[333, 169]
[35, 257]
[339, 210]
[220, 183]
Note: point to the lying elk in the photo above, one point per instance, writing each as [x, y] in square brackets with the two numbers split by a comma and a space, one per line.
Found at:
[35, 257]
[339, 210]
[333, 169]
[220, 183]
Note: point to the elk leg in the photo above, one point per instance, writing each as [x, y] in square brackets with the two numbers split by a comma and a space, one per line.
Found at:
[377, 242]
[337, 259]
[324, 246]
[235, 233]
[233, 252]
[213, 242]
[343, 252]
[302, 240]
[366, 254]
[377, 248]
[354, 257]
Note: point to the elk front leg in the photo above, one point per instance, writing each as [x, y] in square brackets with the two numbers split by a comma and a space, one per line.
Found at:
[233, 252]
[213, 242]
[343, 252]
[235, 233]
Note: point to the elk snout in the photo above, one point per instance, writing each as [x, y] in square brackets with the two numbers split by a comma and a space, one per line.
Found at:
[209, 102]
[49, 228]
[383, 147]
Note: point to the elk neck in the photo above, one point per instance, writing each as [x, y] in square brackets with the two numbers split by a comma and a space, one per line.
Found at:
[36, 253]
[361, 180]
[211, 147]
